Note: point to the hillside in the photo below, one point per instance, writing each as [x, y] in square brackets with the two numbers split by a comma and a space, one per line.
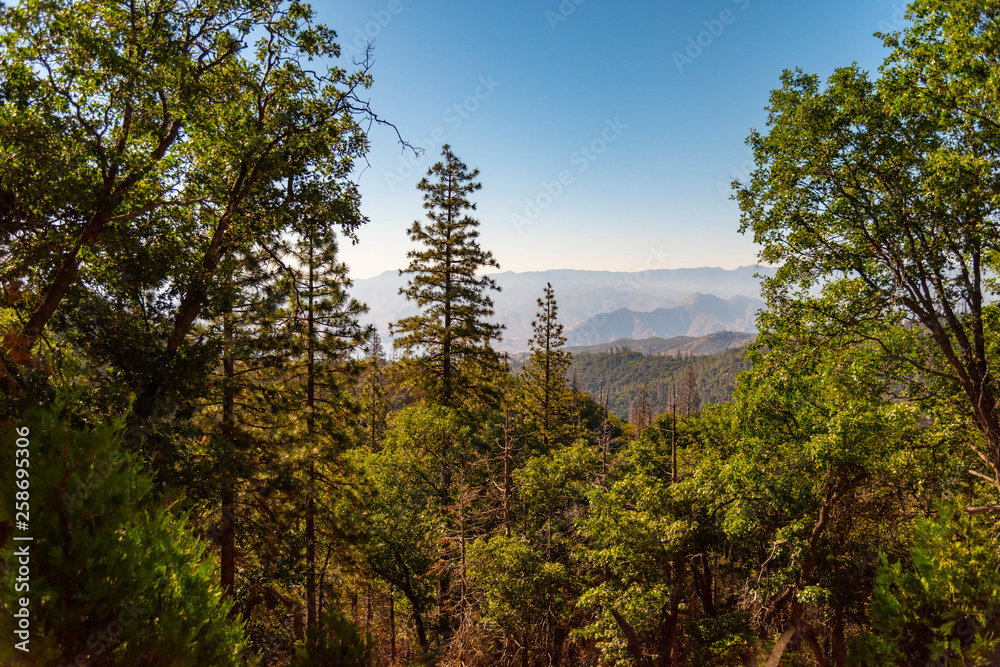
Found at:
[622, 374]
[677, 346]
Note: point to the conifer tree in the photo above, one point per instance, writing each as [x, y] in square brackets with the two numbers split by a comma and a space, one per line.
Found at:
[240, 391]
[451, 333]
[276, 409]
[640, 413]
[116, 578]
[326, 330]
[374, 398]
[546, 371]
[692, 399]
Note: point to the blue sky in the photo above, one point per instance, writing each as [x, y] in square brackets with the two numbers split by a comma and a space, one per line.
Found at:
[606, 133]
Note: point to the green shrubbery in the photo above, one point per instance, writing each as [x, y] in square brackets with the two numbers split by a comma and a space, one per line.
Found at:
[115, 578]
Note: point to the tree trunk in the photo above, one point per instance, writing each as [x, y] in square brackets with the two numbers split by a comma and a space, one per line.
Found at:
[446, 343]
[463, 582]
[839, 648]
[228, 555]
[749, 654]
[673, 437]
[310, 429]
[368, 611]
[321, 584]
[817, 650]
[111, 198]
[392, 624]
[774, 660]
[508, 445]
[228, 539]
[632, 643]
[418, 622]
[704, 585]
[310, 558]
[673, 624]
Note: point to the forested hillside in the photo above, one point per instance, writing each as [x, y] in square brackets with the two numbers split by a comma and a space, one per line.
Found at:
[620, 378]
[677, 346]
[210, 461]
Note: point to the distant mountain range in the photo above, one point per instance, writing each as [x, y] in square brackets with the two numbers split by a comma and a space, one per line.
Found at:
[697, 315]
[586, 296]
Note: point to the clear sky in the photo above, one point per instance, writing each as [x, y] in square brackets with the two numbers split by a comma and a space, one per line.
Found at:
[606, 133]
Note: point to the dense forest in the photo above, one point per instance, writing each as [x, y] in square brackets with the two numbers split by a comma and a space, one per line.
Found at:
[623, 378]
[208, 461]
[677, 346]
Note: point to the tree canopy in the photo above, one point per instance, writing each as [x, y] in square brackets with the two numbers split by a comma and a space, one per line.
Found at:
[216, 463]
[881, 209]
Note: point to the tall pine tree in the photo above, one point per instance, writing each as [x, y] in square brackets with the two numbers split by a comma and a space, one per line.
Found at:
[240, 392]
[451, 334]
[374, 394]
[548, 398]
[326, 333]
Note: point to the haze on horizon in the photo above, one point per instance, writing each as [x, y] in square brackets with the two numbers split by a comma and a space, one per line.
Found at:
[606, 134]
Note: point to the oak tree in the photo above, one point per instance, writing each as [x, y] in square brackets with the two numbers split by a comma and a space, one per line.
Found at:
[878, 198]
[146, 143]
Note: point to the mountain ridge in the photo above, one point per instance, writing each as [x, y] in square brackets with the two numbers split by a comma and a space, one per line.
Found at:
[581, 295]
[697, 315]
[675, 346]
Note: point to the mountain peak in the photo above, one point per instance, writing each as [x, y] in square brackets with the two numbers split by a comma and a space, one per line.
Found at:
[697, 315]
[589, 296]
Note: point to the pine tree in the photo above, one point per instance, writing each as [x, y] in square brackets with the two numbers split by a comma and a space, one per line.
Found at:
[545, 372]
[451, 333]
[374, 398]
[692, 399]
[277, 411]
[241, 391]
[109, 553]
[326, 332]
[640, 413]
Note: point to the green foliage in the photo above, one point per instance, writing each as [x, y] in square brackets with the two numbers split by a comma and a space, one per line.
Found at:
[374, 393]
[115, 577]
[336, 642]
[622, 375]
[941, 604]
[545, 372]
[811, 433]
[638, 533]
[555, 483]
[952, 50]
[878, 199]
[405, 516]
[517, 585]
[175, 177]
[147, 147]
[451, 334]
